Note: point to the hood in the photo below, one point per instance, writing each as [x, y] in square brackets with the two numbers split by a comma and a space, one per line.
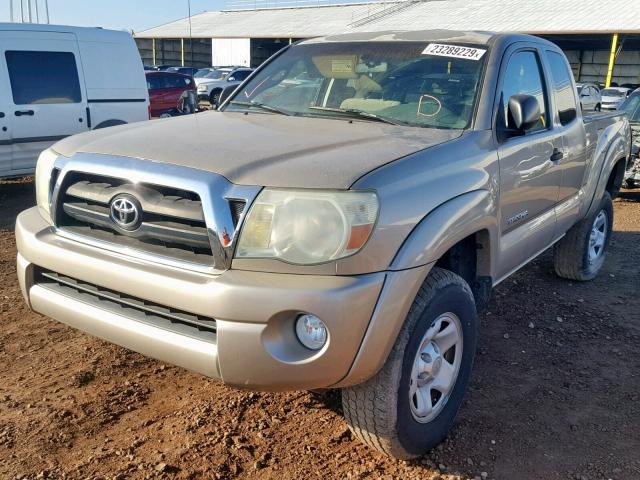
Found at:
[262, 149]
[211, 81]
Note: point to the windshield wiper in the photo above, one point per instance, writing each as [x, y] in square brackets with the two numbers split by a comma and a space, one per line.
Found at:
[354, 112]
[263, 106]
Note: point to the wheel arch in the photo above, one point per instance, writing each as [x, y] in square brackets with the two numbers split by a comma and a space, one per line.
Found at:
[112, 122]
[465, 226]
[461, 235]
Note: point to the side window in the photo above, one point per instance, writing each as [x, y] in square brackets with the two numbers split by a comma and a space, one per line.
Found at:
[523, 76]
[154, 82]
[240, 75]
[43, 77]
[562, 89]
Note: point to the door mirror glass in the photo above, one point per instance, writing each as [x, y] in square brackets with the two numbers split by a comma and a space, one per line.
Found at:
[524, 111]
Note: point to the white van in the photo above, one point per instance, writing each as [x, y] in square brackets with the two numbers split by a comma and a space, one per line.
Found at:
[56, 81]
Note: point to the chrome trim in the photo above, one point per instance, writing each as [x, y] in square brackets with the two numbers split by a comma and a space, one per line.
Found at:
[214, 190]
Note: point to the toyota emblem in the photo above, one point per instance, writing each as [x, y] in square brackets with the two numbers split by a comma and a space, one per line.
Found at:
[125, 212]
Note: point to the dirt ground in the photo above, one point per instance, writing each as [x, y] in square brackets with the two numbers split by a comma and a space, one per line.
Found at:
[555, 393]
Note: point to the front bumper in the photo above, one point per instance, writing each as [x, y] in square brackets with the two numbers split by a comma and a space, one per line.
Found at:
[254, 345]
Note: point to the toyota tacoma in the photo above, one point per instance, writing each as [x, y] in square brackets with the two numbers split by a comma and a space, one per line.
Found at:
[337, 224]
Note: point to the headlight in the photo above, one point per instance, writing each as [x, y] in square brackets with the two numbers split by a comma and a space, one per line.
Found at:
[307, 227]
[44, 168]
[202, 88]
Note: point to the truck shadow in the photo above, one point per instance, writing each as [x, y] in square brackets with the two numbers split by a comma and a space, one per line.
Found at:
[15, 195]
[630, 195]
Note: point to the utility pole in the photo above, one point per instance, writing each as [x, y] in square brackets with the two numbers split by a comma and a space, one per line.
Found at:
[190, 37]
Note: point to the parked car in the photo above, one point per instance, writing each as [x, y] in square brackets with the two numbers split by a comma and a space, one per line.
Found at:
[632, 86]
[612, 97]
[337, 238]
[214, 73]
[209, 90]
[184, 70]
[631, 108]
[56, 81]
[590, 99]
[171, 92]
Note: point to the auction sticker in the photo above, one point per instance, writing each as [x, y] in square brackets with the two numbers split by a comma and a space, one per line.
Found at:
[454, 51]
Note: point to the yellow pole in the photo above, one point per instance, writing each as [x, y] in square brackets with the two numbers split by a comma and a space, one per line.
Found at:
[153, 48]
[612, 59]
[182, 51]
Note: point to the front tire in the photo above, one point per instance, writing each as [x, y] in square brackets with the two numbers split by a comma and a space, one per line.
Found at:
[214, 99]
[407, 408]
[598, 108]
[581, 253]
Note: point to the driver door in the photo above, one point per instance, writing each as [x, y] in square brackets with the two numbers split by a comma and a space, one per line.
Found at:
[529, 172]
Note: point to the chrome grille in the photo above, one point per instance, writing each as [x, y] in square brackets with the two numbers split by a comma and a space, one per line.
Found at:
[132, 307]
[172, 221]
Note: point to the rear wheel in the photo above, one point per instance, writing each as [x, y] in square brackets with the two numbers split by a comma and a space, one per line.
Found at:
[408, 407]
[581, 253]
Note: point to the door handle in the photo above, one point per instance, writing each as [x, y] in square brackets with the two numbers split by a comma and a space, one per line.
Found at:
[20, 113]
[557, 155]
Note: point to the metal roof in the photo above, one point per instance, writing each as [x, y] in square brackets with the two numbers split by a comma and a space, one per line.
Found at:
[528, 16]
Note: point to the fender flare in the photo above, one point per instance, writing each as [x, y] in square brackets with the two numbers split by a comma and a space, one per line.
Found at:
[110, 123]
[610, 153]
[446, 225]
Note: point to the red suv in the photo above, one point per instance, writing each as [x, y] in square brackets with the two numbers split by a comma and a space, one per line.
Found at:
[170, 93]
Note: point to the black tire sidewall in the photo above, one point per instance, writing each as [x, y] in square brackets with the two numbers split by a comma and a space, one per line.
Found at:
[418, 437]
[606, 205]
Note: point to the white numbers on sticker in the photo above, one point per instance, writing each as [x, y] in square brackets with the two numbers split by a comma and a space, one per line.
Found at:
[454, 51]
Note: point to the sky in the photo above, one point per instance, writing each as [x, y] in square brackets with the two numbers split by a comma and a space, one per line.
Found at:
[115, 14]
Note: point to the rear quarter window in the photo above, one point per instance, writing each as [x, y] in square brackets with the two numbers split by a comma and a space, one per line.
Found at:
[562, 90]
[43, 77]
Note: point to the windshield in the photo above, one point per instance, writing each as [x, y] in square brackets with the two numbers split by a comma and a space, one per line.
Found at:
[214, 74]
[394, 81]
[610, 92]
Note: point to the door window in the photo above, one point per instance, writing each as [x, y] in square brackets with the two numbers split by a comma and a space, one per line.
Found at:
[43, 77]
[240, 75]
[562, 89]
[523, 76]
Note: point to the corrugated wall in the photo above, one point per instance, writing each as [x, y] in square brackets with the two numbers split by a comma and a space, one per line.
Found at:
[169, 51]
[592, 66]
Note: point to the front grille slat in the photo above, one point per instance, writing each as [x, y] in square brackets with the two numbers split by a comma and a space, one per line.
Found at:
[178, 320]
[172, 222]
[152, 201]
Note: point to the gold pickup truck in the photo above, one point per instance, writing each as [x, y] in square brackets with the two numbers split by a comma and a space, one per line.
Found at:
[336, 224]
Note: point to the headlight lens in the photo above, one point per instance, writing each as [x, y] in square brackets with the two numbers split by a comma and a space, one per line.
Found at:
[44, 168]
[202, 88]
[307, 227]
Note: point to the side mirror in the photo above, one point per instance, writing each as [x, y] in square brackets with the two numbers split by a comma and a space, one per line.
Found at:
[524, 110]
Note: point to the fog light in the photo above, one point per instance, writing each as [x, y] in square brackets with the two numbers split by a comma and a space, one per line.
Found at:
[311, 331]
